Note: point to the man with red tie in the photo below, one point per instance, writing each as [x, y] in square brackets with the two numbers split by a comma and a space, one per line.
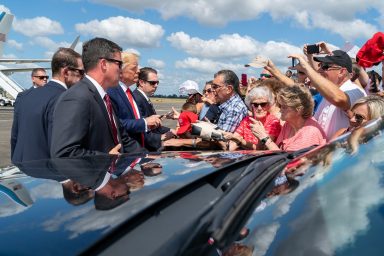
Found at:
[84, 122]
[137, 126]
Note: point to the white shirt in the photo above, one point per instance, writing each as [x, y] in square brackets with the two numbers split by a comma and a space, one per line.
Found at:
[332, 118]
[61, 83]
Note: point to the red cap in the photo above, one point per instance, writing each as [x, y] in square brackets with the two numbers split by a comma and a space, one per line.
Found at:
[185, 120]
[372, 51]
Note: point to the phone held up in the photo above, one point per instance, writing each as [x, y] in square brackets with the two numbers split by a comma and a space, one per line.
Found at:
[313, 49]
[294, 62]
[244, 80]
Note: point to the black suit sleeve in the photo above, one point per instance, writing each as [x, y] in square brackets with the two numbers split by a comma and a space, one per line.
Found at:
[130, 145]
[71, 123]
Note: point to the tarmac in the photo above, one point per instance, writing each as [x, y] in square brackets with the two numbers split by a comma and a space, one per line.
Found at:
[162, 106]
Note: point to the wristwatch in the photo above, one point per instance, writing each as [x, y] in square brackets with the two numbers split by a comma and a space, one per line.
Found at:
[264, 140]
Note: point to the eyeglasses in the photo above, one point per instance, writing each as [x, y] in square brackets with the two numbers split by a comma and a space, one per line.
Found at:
[261, 104]
[326, 67]
[265, 75]
[207, 91]
[216, 86]
[118, 62]
[359, 118]
[153, 83]
[80, 71]
[42, 77]
[300, 73]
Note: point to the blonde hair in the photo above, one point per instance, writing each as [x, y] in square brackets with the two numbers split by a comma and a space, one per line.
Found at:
[375, 105]
[129, 57]
[297, 97]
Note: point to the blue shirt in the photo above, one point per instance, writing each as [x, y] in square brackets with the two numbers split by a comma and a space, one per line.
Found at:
[232, 112]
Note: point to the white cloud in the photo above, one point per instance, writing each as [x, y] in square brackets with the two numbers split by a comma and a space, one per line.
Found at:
[226, 46]
[14, 44]
[125, 31]
[219, 13]
[54, 188]
[356, 28]
[157, 64]
[4, 9]
[39, 26]
[52, 46]
[206, 66]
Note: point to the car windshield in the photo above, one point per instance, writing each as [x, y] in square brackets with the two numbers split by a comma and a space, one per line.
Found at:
[333, 207]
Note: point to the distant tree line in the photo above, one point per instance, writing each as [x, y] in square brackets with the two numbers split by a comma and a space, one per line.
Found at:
[173, 96]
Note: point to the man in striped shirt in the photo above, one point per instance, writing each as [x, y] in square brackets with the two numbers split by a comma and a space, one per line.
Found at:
[233, 109]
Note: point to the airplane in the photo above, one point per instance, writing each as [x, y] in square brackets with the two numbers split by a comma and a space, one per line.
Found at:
[8, 84]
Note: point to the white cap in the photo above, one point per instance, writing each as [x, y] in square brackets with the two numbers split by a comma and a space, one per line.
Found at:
[189, 87]
[258, 62]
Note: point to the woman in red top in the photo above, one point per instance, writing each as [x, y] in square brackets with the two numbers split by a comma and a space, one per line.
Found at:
[259, 101]
[300, 129]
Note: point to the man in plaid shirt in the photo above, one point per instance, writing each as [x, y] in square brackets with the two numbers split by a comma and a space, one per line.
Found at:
[233, 109]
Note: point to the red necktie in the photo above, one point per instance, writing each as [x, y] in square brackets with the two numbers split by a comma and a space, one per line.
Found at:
[112, 122]
[130, 99]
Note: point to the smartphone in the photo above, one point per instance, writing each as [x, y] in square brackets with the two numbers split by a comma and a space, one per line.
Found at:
[313, 49]
[244, 80]
[294, 62]
[167, 115]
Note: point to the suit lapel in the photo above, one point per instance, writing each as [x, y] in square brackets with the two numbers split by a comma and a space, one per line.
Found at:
[125, 100]
[101, 104]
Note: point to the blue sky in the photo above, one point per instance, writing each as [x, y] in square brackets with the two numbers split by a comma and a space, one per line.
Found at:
[186, 39]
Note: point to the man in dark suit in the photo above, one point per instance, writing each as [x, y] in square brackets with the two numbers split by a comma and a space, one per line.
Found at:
[146, 87]
[32, 121]
[84, 122]
[125, 105]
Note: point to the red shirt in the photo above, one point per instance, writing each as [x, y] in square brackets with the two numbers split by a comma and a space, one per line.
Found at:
[310, 134]
[271, 124]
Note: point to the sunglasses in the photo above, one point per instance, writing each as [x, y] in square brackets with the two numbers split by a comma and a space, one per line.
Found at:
[261, 104]
[80, 71]
[208, 91]
[359, 118]
[265, 75]
[42, 77]
[118, 62]
[326, 67]
[153, 83]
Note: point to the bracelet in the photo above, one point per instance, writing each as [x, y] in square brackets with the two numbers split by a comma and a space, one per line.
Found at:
[264, 140]
[194, 143]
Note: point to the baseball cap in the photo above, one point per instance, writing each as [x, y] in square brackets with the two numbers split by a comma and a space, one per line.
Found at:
[189, 87]
[338, 57]
[185, 120]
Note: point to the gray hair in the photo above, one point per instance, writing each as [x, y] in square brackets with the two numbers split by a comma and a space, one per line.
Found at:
[230, 78]
[375, 105]
[257, 92]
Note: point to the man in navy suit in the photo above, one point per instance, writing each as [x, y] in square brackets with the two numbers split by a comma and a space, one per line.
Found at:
[146, 87]
[84, 122]
[137, 126]
[32, 122]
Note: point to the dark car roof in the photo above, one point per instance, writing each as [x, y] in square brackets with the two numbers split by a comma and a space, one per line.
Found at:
[337, 208]
[35, 217]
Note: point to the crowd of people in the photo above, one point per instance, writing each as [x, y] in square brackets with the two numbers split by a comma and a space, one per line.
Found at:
[90, 107]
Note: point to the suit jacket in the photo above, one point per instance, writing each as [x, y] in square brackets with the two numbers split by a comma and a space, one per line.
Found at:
[32, 122]
[81, 125]
[125, 113]
[153, 138]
